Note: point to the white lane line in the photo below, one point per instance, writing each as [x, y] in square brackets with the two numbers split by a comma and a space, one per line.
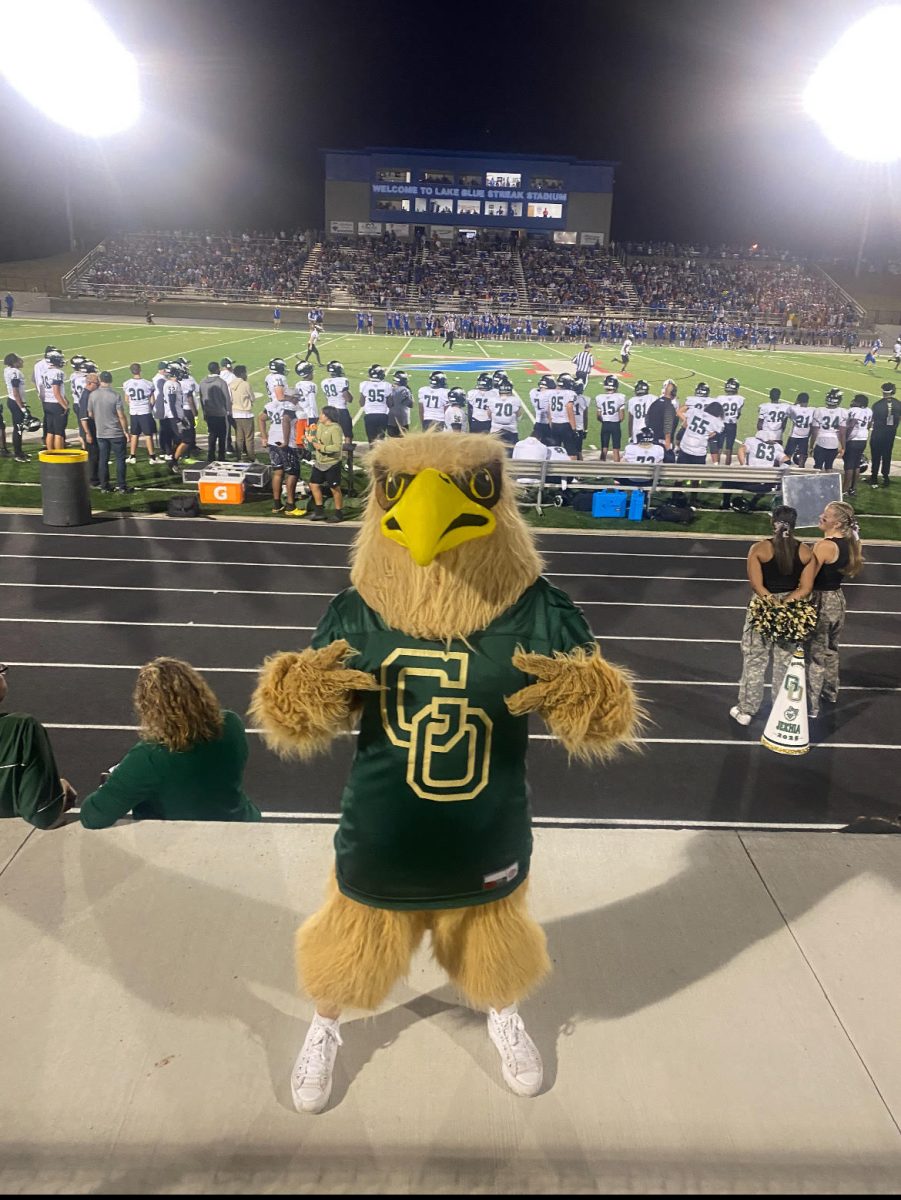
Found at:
[115, 587]
[542, 737]
[154, 624]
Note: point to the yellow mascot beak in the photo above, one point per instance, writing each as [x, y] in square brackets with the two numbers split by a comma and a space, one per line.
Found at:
[433, 515]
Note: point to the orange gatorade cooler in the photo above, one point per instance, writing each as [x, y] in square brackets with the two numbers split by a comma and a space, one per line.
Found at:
[221, 488]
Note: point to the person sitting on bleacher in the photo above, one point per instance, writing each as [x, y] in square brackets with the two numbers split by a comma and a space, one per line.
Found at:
[754, 452]
[189, 763]
[644, 449]
[30, 785]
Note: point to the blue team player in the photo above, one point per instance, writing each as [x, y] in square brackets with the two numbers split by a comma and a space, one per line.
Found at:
[396, 323]
[406, 324]
[361, 320]
[417, 322]
[388, 322]
[529, 328]
[369, 322]
[870, 357]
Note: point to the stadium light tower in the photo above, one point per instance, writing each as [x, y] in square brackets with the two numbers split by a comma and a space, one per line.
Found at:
[26, 27]
[853, 95]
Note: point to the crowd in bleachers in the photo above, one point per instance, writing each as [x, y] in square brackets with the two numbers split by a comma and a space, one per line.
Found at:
[478, 270]
[577, 276]
[699, 250]
[372, 271]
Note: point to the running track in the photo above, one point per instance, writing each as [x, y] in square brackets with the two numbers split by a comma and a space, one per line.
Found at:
[81, 609]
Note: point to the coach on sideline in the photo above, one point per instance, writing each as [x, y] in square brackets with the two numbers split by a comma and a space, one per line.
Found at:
[30, 784]
[215, 399]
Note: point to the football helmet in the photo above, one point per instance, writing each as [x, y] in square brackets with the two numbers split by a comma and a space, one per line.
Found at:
[505, 387]
[703, 389]
[456, 396]
[565, 380]
[579, 387]
[55, 358]
[642, 387]
[90, 367]
[334, 368]
[547, 381]
[77, 362]
[731, 386]
[174, 371]
[498, 376]
[50, 350]
[304, 370]
[164, 364]
[833, 398]
[484, 381]
[376, 372]
[611, 383]
[401, 378]
[275, 364]
[228, 363]
[438, 379]
[888, 389]
[647, 434]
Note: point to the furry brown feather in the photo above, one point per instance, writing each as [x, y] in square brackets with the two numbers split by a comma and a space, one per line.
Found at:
[586, 702]
[303, 700]
[464, 589]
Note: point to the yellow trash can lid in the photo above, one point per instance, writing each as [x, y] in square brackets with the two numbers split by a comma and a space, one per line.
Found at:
[63, 456]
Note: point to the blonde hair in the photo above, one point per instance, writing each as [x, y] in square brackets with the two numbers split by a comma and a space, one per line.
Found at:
[175, 705]
[844, 518]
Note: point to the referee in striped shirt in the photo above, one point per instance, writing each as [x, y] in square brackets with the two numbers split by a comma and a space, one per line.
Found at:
[583, 363]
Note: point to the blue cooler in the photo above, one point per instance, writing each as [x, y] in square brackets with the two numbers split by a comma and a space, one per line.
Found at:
[609, 503]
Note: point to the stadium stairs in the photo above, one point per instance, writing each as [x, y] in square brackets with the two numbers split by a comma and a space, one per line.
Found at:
[721, 1019]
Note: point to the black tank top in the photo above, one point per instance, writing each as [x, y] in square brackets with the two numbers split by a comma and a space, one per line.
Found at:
[775, 581]
[829, 577]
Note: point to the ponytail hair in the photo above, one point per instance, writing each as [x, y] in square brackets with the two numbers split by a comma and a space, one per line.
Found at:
[784, 542]
[846, 521]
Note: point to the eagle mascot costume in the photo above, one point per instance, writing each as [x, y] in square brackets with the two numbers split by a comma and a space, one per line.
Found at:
[447, 640]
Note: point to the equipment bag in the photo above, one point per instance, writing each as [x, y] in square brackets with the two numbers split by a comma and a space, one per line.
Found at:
[184, 506]
[675, 514]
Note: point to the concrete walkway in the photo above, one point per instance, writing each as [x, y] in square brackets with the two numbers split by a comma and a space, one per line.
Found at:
[724, 1017]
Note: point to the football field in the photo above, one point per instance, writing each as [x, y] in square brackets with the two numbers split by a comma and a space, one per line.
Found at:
[114, 345]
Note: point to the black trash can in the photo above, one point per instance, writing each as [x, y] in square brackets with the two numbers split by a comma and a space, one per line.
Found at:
[65, 494]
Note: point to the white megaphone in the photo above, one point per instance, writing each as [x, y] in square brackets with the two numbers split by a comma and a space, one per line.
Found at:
[786, 730]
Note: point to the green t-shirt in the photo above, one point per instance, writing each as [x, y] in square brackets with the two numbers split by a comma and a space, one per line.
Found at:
[436, 811]
[29, 781]
[200, 784]
[331, 440]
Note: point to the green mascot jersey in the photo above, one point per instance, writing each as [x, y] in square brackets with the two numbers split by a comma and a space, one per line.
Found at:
[436, 811]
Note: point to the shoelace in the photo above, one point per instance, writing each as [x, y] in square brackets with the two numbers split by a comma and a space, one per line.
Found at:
[313, 1063]
[514, 1037]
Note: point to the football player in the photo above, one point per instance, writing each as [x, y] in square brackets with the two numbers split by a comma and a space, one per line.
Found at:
[56, 406]
[539, 397]
[859, 425]
[505, 409]
[336, 390]
[305, 405]
[279, 413]
[772, 417]
[374, 395]
[797, 446]
[562, 412]
[433, 401]
[829, 428]
[638, 407]
[139, 392]
[478, 399]
[455, 412]
[611, 409]
[731, 402]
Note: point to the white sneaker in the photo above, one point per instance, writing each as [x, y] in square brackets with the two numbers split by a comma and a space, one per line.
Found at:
[737, 715]
[520, 1060]
[311, 1078]
[131, 459]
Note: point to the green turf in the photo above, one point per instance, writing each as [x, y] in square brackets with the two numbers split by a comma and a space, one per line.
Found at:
[113, 346]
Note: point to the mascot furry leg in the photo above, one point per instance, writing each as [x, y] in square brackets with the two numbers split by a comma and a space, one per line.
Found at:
[448, 639]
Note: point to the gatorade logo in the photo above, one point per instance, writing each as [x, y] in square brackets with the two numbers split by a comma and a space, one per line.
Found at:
[220, 492]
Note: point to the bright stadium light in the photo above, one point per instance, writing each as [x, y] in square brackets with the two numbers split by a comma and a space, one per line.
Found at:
[31, 29]
[853, 93]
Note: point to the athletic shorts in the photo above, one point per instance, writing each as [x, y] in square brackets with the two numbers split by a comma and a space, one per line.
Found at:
[508, 436]
[284, 458]
[696, 460]
[479, 426]
[611, 434]
[427, 425]
[376, 425]
[797, 445]
[854, 453]
[55, 419]
[327, 476]
[346, 423]
[563, 434]
[143, 425]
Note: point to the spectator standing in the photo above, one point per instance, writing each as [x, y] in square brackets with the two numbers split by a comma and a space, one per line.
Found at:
[89, 428]
[326, 441]
[215, 399]
[30, 784]
[584, 362]
[774, 570]
[835, 557]
[242, 411]
[886, 417]
[106, 410]
[189, 763]
[10, 303]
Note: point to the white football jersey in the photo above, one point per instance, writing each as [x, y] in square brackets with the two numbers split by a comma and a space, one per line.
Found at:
[139, 393]
[774, 417]
[859, 423]
[53, 376]
[696, 401]
[305, 400]
[479, 400]
[455, 418]
[732, 406]
[826, 424]
[76, 386]
[610, 405]
[538, 397]
[762, 453]
[580, 408]
[530, 449]
[188, 387]
[504, 412]
[333, 389]
[41, 367]
[699, 427]
[275, 381]
[638, 411]
[374, 394]
[434, 402]
[557, 401]
[13, 376]
[801, 418]
[275, 410]
[172, 405]
[643, 452]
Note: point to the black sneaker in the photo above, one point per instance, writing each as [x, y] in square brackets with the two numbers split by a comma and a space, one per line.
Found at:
[22, 458]
[318, 515]
[126, 491]
[108, 490]
[335, 516]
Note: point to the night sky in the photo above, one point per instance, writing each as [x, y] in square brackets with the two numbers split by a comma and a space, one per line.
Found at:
[697, 100]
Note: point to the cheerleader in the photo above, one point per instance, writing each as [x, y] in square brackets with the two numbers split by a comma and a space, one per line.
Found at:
[775, 567]
[836, 557]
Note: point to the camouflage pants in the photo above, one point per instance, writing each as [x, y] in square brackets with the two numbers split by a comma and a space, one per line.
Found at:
[756, 653]
[822, 649]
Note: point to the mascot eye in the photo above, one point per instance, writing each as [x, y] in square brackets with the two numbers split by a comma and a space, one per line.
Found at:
[393, 487]
[482, 485]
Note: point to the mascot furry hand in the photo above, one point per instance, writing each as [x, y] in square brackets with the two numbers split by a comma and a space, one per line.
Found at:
[447, 640]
